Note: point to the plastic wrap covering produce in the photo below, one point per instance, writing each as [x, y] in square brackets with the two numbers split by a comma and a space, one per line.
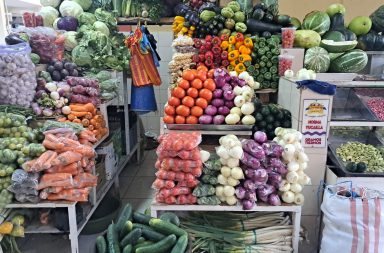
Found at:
[108, 85]
[182, 59]
[66, 166]
[179, 165]
[17, 75]
[24, 186]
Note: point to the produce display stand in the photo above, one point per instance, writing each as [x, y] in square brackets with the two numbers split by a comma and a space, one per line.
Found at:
[75, 228]
[295, 210]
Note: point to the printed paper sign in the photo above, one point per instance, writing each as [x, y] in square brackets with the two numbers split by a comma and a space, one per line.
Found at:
[315, 123]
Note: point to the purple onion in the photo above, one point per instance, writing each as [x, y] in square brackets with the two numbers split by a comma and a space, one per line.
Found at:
[217, 102]
[260, 176]
[218, 93]
[250, 195]
[250, 161]
[218, 119]
[277, 150]
[61, 92]
[223, 110]
[249, 185]
[229, 95]
[274, 200]
[229, 104]
[227, 78]
[220, 82]
[274, 179]
[240, 192]
[210, 110]
[260, 137]
[264, 191]
[40, 93]
[226, 87]
[247, 204]
[36, 109]
[241, 83]
[205, 119]
[282, 170]
[219, 72]
[275, 162]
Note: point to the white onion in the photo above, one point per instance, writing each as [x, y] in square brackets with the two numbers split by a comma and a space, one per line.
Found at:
[225, 171]
[237, 173]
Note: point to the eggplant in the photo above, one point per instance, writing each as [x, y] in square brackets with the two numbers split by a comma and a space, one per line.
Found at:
[181, 9]
[207, 6]
[254, 25]
[13, 39]
[194, 19]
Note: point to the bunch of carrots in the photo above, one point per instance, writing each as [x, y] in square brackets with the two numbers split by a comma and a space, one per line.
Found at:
[67, 165]
[89, 117]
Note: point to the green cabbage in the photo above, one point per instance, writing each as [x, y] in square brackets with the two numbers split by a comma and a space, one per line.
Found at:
[87, 18]
[49, 15]
[85, 4]
[82, 56]
[52, 3]
[84, 28]
[101, 27]
[103, 76]
[70, 41]
[69, 8]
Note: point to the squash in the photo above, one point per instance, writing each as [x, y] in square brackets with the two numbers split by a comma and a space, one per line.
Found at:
[371, 42]
[378, 19]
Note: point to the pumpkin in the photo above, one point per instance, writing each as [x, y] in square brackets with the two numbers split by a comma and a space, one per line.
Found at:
[371, 42]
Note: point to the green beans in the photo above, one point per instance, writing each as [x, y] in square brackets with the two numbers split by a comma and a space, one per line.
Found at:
[359, 152]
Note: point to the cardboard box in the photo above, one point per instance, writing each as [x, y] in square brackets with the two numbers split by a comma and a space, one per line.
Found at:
[106, 148]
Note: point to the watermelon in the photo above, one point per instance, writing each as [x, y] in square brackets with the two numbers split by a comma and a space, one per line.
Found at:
[333, 56]
[317, 59]
[317, 21]
[350, 62]
[338, 46]
[334, 35]
[307, 39]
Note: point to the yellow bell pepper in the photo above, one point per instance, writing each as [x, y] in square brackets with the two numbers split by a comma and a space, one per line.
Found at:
[231, 47]
[6, 228]
[179, 19]
[248, 43]
[238, 44]
[233, 55]
[244, 50]
[224, 45]
[232, 39]
[244, 57]
[240, 68]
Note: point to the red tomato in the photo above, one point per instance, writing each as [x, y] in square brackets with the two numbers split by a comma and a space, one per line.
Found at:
[173, 101]
[188, 101]
[170, 110]
[202, 67]
[188, 75]
[183, 110]
[201, 102]
[193, 92]
[206, 94]
[178, 92]
[183, 84]
[192, 119]
[197, 111]
[211, 73]
[179, 119]
[210, 84]
[202, 75]
[197, 83]
[168, 119]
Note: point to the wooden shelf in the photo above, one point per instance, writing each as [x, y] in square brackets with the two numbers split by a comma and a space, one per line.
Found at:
[135, 20]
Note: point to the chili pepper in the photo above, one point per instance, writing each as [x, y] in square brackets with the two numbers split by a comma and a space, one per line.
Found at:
[239, 37]
[224, 55]
[232, 39]
[224, 45]
[209, 55]
[224, 37]
[225, 63]
[230, 68]
[248, 42]
[240, 68]
[216, 41]
[238, 44]
[233, 55]
[244, 50]
[216, 50]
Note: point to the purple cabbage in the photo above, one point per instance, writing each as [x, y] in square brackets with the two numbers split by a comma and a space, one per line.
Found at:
[67, 23]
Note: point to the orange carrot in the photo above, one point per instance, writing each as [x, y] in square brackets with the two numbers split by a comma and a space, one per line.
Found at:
[85, 122]
[89, 107]
[76, 121]
[66, 158]
[71, 117]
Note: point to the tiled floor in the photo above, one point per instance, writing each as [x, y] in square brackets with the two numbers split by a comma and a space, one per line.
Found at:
[135, 188]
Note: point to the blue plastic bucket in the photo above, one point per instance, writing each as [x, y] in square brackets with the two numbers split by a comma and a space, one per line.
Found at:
[143, 99]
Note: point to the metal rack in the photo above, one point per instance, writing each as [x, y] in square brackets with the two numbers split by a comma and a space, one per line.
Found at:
[74, 227]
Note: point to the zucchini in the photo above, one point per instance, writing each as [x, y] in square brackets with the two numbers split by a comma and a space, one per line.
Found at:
[145, 243]
[101, 244]
[113, 245]
[163, 246]
[141, 239]
[131, 238]
[166, 227]
[141, 218]
[128, 249]
[181, 244]
[126, 214]
[148, 232]
[128, 226]
[170, 217]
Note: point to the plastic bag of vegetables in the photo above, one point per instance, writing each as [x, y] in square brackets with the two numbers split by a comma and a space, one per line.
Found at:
[17, 75]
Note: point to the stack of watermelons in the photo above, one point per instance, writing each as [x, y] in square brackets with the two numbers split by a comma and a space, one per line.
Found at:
[335, 52]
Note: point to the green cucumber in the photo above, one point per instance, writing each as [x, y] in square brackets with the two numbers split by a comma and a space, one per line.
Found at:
[126, 214]
[113, 245]
[163, 246]
[128, 226]
[127, 249]
[149, 233]
[181, 244]
[141, 218]
[170, 217]
[140, 240]
[101, 244]
[131, 238]
[145, 243]
[166, 227]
